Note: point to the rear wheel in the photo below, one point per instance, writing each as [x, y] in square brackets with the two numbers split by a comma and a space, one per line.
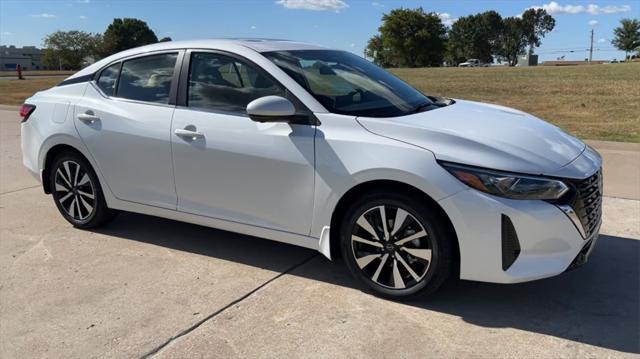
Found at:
[77, 192]
[396, 245]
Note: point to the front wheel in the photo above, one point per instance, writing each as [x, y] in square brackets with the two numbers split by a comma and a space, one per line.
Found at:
[77, 192]
[396, 245]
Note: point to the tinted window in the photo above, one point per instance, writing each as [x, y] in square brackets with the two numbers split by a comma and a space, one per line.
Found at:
[223, 83]
[348, 84]
[108, 78]
[147, 78]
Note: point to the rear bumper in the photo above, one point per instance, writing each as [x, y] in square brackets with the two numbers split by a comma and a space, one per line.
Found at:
[549, 242]
[30, 146]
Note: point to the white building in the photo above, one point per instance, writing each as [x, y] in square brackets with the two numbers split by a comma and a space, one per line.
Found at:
[28, 57]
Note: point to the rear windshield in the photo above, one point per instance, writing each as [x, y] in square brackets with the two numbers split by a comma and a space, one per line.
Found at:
[348, 84]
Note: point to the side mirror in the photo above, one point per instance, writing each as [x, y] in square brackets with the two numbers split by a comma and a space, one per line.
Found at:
[271, 109]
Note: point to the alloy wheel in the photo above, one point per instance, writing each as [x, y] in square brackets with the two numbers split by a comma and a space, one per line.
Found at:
[74, 190]
[391, 247]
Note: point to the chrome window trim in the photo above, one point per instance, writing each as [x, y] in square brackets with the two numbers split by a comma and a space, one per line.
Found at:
[122, 99]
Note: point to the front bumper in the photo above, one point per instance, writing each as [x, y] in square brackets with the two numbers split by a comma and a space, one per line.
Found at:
[586, 251]
[548, 240]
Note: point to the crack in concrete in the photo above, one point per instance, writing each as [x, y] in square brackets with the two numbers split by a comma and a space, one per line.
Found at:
[221, 310]
[20, 189]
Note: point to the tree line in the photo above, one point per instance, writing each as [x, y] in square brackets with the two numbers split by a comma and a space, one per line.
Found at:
[416, 38]
[71, 50]
[406, 38]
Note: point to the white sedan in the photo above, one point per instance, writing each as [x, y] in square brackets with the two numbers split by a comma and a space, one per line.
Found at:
[322, 149]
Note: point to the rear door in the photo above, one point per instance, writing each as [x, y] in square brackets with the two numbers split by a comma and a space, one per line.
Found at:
[125, 120]
[236, 169]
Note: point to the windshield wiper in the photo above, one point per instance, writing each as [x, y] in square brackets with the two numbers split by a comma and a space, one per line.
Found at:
[441, 101]
[423, 106]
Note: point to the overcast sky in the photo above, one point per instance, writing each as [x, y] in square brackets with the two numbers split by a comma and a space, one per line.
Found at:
[344, 24]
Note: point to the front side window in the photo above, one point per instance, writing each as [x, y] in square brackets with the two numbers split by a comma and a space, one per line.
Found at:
[108, 78]
[348, 84]
[223, 83]
[147, 78]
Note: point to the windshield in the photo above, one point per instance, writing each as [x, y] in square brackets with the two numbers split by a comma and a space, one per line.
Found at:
[348, 84]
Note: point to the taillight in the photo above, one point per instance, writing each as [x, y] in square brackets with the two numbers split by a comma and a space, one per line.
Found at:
[26, 110]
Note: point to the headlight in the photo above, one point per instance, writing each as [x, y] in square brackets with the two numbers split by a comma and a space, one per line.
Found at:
[508, 185]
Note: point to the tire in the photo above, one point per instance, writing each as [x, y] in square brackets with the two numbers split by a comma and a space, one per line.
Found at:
[383, 266]
[77, 193]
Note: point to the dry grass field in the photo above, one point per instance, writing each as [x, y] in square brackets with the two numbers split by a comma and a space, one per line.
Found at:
[36, 73]
[599, 102]
[14, 92]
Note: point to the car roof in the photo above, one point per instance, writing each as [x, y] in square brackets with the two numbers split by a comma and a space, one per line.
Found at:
[256, 44]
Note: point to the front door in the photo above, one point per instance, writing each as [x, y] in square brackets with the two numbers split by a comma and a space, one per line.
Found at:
[230, 167]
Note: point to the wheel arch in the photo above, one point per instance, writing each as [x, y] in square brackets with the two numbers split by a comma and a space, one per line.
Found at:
[374, 185]
[50, 156]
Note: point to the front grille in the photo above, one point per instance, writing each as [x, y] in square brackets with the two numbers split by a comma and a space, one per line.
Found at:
[588, 202]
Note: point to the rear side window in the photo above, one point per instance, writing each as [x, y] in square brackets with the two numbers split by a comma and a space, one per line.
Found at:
[223, 83]
[108, 78]
[147, 78]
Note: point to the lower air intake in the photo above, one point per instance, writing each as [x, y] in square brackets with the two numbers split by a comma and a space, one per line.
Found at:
[510, 243]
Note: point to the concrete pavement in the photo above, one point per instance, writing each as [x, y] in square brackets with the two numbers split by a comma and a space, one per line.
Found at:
[145, 286]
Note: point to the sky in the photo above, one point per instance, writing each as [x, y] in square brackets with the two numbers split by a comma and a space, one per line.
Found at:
[343, 24]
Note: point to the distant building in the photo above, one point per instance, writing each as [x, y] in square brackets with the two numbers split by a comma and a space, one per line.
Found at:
[526, 60]
[28, 57]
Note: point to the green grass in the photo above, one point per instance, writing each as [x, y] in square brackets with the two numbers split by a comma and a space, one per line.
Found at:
[599, 102]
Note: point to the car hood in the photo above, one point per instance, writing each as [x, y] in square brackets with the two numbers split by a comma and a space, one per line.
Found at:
[483, 135]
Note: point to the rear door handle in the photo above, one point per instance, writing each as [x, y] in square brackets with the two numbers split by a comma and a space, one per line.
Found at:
[188, 134]
[88, 117]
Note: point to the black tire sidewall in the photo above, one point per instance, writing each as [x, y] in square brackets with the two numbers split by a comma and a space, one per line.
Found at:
[440, 265]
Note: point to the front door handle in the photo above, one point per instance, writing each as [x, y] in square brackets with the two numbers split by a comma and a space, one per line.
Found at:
[189, 134]
[88, 117]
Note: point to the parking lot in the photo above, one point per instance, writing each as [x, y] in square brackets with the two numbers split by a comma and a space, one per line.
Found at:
[144, 286]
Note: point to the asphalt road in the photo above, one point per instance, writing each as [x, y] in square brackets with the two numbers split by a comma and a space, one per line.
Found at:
[146, 286]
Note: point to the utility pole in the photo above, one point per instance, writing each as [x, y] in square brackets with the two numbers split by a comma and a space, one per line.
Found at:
[591, 48]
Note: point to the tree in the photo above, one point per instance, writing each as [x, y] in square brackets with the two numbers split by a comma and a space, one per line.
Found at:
[536, 23]
[124, 34]
[512, 41]
[68, 49]
[474, 37]
[627, 36]
[165, 39]
[409, 37]
[376, 51]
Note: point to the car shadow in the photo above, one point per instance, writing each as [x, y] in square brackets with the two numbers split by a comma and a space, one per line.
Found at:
[597, 304]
